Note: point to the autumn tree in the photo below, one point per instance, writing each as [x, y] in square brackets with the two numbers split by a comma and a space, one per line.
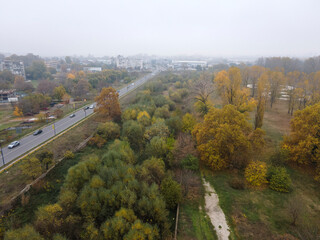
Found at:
[31, 167]
[229, 88]
[144, 118]
[108, 104]
[225, 138]
[59, 92]
[263, 93]
[46, 158]
[188, 122]
[276, 80]
[17, 112]
[303, 143]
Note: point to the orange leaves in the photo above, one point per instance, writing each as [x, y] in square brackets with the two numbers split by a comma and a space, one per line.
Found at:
[108, 104]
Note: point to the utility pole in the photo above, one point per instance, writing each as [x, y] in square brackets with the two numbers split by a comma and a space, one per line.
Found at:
[85, 113]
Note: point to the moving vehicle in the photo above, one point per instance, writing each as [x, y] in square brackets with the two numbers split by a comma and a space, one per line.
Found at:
[91, 106]
[72, 115]
[37, 132]
[86, 108]
[13, 144]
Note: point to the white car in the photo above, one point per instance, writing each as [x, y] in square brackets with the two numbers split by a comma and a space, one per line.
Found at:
[13, 144]
[91, 106]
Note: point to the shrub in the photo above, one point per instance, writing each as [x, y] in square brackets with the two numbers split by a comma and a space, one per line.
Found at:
[237, 183]
[279, 157]
[280, 180]
[190, 162]
[256, 173]
[68, 155]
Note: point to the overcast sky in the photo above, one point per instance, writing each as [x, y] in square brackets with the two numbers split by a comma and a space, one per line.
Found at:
[161, 27]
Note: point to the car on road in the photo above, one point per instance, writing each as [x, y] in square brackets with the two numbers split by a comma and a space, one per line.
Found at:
[91, 106]
[37, 132]
[86, 108]
[13, 144]
[132, 84]
[72, 115]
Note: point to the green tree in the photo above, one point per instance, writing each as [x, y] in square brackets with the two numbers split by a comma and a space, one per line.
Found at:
[190, 162]
[27, 232]
[171, 191]
[133, 131]
[188, 123]
[109, 130]
[152, 170]
[157, 147]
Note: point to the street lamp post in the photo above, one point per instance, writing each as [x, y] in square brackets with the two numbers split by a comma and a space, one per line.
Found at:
[85, 113]
[1, 152]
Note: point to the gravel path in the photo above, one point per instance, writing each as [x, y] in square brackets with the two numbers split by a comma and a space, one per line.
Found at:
[215, 213]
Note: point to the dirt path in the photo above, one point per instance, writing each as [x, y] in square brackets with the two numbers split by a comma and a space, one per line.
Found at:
[215, 213]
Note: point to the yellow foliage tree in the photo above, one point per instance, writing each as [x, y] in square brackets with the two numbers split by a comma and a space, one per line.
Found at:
[225, 138]
[71, 76]
[108, 104]
[230, 90]
[59, 92]
[144, 118]
[31, 167]
[263, 93]
[17, 112]
[256, 173]
[303, 143]
[188, 122]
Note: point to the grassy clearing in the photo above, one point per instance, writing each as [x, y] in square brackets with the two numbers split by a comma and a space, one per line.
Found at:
[194, 223]
[264, 213]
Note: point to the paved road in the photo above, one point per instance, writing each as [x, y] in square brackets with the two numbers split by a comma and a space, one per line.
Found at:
[29, 142]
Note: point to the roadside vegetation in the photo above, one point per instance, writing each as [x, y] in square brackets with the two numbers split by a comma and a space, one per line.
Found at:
[249, 134]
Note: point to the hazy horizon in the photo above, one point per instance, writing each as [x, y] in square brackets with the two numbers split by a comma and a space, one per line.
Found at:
[167, 28]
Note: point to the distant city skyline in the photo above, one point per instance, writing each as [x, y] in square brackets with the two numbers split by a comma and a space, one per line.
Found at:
[165, 28]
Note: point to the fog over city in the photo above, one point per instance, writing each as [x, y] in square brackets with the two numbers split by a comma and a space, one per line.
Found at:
[167, 27]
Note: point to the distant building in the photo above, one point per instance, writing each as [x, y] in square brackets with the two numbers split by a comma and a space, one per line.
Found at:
[189, 65]
[8, 96]
[53, 64]
[92, 69]
[16, 68]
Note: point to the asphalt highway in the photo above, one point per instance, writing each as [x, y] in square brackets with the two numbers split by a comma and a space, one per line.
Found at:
[29, 142]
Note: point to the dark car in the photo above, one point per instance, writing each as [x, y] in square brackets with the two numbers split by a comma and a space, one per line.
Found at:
[37, 132]
[72, 115]
[86, 108]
